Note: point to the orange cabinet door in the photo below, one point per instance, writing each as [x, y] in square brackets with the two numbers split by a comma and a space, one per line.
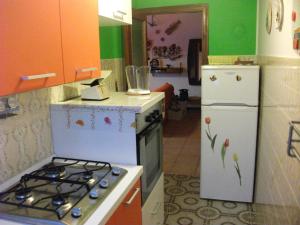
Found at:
[80, 39]
[30, 45]
[130, 210]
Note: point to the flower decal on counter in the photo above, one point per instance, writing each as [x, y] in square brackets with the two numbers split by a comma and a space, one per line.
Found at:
[80, 123]
[107, 120]
[224, 150]
[208, 133]
[237, 167]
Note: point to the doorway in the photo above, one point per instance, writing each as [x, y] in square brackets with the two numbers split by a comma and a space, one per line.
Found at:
[181, 138]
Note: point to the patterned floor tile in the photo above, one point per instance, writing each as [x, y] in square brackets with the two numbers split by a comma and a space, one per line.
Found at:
[184, 207]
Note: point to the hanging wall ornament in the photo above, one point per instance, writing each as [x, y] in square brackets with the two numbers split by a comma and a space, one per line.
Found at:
[279, 14]
[269, 18]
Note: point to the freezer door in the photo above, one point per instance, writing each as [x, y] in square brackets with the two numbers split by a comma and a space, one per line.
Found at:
[228, 149]
[230, 85]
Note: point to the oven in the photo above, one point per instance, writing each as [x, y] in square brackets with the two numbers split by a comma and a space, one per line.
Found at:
[150, 148]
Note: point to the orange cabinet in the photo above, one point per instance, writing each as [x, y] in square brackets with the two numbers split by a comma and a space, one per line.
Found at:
[30, 45]
[80, 39]
[130, 210]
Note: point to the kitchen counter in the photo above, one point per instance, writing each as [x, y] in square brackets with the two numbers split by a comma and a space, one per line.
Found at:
[117, 101]
[108, 206]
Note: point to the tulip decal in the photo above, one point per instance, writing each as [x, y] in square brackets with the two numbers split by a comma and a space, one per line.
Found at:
[224, 150]
[236, 166]
[208, 133]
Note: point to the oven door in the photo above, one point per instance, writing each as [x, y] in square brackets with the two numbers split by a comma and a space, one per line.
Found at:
[150, 156]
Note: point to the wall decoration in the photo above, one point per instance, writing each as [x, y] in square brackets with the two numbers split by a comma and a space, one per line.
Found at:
[172, 27]
[269, 18]
[296, 25]
[149, 44]
[172, 52]
[279, 14]
[152, 23]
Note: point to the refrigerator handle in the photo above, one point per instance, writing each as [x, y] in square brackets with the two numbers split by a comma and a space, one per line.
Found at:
[229, 104]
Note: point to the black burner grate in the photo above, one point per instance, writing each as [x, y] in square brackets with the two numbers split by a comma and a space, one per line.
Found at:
[77, 182]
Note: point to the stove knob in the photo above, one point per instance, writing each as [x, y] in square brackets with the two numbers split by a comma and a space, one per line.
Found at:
[153, 115]
[156, 112]
[76, 212]
[116, 171]
[149, 119]
[104, 183]
[94, 194]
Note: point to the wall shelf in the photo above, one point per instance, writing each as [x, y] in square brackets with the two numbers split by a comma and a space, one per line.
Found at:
[170, 70]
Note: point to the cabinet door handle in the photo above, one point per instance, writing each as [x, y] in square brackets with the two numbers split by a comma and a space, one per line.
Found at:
[238, 78]
[38, 76]
[122, 12]
[156, 209]
[137, 190]
[119, 15]
[88, 69]
[213, 78]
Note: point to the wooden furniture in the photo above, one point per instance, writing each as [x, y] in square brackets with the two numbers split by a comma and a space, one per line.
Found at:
[116, 12]
[47, 43]
[30, 45]
[80, 39]
[153, 209]
[130, 210]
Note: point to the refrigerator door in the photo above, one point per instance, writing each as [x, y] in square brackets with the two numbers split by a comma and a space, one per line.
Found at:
[230, 85]
[228, 149]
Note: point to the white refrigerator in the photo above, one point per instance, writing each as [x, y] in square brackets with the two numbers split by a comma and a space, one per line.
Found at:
[229, 114]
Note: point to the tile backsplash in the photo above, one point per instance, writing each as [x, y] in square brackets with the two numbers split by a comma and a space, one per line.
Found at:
[25, 139]
[278, 175]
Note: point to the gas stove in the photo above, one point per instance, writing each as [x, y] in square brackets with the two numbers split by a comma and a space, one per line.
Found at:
[64, 191]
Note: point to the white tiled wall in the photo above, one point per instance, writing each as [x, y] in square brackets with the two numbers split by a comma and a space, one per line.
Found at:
[25, 138]
[278, 175]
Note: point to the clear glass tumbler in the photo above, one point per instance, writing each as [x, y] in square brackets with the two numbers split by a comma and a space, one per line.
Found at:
[131, 76]
[143, 74]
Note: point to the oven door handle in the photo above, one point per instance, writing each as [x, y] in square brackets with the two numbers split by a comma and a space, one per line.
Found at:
[150, 127]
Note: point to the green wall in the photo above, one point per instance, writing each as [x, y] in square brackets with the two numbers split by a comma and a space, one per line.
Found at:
[232, 27]
[232, 23]
[111, 42]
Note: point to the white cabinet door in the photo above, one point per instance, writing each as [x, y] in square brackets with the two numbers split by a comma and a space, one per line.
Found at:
[228, 149]
[153, 209]
[115, 12]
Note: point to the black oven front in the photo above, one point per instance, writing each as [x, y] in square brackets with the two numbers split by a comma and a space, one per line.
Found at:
[150, 154]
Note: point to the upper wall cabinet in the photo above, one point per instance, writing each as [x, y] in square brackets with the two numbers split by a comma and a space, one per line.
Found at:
[80, 39]
[115, 12]
[30, 45]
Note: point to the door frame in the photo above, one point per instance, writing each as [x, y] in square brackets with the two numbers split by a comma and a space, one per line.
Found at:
[141, 14]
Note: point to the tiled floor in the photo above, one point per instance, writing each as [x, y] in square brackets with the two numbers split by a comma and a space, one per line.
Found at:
[184, 207]
[182, 145]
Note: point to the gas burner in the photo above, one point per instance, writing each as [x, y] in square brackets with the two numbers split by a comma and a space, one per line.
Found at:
[23, 193]
[87, 174]
[53, 171]
[59, 200]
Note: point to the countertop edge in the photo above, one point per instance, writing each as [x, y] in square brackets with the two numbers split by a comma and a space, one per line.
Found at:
[117, 107]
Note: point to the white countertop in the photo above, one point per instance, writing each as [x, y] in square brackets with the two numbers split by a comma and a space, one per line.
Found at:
[117, 101]
[107, 207]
